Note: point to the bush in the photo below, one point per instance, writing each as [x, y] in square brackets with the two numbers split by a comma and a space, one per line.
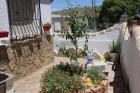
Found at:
[71, 69]
[64, 79]
[60, 80]
[95, 75]
[115, 48]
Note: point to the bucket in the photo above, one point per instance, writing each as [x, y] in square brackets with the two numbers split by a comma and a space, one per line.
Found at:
[90, 58]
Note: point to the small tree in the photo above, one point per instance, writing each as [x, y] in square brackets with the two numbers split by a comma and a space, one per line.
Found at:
[77, 23]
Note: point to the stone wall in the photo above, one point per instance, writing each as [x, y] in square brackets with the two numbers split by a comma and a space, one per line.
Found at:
[25, 57]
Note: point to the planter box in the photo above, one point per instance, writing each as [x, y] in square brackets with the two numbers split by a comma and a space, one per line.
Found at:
[6, 83]
[3, 34]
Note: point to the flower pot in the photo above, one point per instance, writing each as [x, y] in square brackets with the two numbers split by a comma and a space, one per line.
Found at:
[47, 27]
[113, 57]
[136, 22]
[3, 34]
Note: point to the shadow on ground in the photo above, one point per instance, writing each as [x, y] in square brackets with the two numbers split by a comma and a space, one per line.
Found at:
[118, 83]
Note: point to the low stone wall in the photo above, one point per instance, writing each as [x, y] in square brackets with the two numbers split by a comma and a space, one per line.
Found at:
[94, 33]
[25, 57]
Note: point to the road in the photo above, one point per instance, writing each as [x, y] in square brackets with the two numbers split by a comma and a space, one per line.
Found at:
[99, 43]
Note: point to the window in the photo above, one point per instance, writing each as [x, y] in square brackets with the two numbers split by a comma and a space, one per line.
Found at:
[24, 17]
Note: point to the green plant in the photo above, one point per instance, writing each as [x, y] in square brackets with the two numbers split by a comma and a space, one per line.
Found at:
[95, 75]
[57, 81]
[115, 48]
[130, 21]
[71, 69]
[67, 77]
[60, 80]
[77, 24]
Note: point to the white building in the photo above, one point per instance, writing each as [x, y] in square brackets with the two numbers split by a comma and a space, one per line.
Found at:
[23, 19]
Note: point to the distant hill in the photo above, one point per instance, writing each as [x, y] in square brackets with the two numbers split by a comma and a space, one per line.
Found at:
[82, 10]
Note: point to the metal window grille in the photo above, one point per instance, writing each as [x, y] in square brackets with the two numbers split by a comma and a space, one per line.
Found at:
[25, 19]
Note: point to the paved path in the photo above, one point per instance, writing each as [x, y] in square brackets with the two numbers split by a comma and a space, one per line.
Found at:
[31, 83]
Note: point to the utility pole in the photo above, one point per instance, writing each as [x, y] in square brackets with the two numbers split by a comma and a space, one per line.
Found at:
[94, 13]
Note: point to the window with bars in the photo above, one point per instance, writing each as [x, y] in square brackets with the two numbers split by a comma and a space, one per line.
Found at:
[25, 18]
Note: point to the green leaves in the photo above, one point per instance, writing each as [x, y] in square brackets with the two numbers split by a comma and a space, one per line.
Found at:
[77, 23]
[67, 78]
[95, 75]
[115, 48]
[112, 9]
[57, 80]
[71, 53]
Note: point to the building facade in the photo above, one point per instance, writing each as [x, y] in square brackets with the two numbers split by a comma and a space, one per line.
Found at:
[27, 46]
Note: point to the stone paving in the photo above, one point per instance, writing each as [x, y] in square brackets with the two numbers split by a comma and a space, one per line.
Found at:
[31, 83]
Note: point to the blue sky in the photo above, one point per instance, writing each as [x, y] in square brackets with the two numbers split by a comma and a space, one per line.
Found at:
[61, 4]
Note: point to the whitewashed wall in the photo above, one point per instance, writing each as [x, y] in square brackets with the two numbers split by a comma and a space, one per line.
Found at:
[4, 21]
[130, 56]
[46, 13]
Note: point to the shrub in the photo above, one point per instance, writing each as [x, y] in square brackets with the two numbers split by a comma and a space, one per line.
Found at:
[95, 75]
[64, 79]
[115, 48]
[71, 69]
[58, 81]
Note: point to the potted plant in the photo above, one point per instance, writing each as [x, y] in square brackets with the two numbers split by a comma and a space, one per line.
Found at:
[114, 51]
[47, 26]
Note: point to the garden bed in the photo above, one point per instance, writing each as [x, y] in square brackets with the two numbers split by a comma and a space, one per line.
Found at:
[71, 78]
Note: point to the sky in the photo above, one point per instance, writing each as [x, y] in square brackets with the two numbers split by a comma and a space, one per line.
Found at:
[61, 4]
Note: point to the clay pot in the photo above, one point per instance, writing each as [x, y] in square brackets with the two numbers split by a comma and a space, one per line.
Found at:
[3, 34]
[113, 57]
[47, 27]
[136, 22]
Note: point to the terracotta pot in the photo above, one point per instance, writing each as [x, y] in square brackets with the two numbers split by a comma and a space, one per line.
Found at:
[113, 56]
[3, 34]
[47, 27]
[136, 22]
